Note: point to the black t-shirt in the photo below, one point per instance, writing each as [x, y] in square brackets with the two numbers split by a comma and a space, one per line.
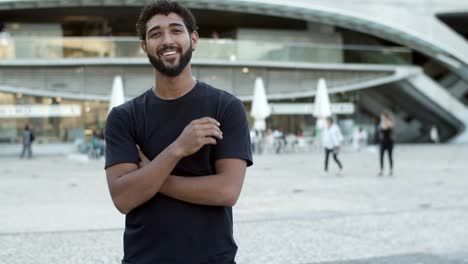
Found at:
[166, 230]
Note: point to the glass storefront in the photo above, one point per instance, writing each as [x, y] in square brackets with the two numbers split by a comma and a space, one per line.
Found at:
[293, 116]
[53, 119]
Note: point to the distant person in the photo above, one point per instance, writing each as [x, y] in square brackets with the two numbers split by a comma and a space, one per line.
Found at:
[291, 142]
[27, 140]
[360, 139]
[301, 143]
[376, 134]
[176, 155]
[260, 142]
[278, 140]
[102, 140]
[97, 148]
[434, 135]
[299, 134]
[332, 139]
[214, 35]
[386, 141]
[254, 138]
[269, 140]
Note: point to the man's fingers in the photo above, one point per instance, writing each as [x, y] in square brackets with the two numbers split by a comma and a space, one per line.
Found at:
[210, 132]
[207, 120]
[205, 126]
[143, 159]
[200, 132]
[215, 133]
[209, 127]
[141, 155]
[209, 140]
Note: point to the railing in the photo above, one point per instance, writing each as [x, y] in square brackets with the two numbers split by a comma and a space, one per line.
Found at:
[209, 49]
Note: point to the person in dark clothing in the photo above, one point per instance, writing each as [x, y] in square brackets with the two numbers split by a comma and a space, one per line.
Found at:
[376, 132]
[176, 156]
[386, 141]
[27, 140]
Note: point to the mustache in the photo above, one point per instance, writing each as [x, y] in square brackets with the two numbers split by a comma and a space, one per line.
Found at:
[168, 47]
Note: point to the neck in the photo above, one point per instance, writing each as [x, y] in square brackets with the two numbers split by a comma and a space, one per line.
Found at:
[169, 88]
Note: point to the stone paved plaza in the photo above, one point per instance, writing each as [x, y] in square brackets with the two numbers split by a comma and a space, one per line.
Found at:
[58, 210]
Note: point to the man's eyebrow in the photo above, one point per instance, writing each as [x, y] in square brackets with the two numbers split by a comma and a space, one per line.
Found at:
[153, 28]
[175, 25]
[158, 27]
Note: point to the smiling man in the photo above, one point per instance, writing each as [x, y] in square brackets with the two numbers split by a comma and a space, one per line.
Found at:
[176, 156]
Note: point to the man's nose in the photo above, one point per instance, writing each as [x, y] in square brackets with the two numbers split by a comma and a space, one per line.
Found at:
[167, 39]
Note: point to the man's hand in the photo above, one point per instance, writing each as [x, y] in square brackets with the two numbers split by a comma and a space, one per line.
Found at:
[143, 159]
[198, 133]
[222, 190]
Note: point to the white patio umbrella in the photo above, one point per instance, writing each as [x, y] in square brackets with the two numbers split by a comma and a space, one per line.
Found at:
[322, 108]
[117, 95]
[260, 108]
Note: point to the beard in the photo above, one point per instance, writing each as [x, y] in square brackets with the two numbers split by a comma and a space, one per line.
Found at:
[170, 71]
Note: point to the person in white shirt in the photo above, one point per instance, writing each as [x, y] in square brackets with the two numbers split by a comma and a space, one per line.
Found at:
[331, 142]
[362, 138]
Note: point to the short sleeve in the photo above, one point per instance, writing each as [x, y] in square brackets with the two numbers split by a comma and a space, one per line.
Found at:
[120, 144]
[236, 134]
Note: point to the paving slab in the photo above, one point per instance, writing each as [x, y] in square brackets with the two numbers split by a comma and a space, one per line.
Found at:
[57, 209]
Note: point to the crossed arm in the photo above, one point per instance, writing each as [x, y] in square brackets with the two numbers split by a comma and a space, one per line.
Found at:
[140, 184]
[131, 185]
[221, 189]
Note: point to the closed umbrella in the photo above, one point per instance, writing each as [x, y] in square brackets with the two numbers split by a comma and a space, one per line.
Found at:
[117, 95]
[322, 108]
[260, 108]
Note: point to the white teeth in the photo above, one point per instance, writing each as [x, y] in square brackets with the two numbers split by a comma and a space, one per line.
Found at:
[169, 53]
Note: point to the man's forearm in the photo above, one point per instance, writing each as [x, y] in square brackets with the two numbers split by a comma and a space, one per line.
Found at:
[213, 190]
[134, 188]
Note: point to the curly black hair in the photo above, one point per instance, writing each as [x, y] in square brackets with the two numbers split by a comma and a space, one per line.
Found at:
[164, 7]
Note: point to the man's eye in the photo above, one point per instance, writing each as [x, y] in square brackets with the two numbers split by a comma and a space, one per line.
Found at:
[176, 30]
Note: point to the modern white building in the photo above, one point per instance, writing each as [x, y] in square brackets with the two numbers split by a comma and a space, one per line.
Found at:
[58, 59]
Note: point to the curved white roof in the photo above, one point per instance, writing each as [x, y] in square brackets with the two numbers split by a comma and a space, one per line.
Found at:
[409, 22]
[414, 22]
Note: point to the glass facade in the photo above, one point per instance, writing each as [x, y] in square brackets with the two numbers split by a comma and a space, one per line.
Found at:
[50, 118]
[49, 126]
[209, 49]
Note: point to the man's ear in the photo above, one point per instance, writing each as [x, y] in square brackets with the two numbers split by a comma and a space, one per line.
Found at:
[194, 36]
[143, 46]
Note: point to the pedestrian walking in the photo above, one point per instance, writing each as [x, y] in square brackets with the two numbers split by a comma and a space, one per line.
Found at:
[176, 156]
[332, 139]
[27, 140]
[386, 141]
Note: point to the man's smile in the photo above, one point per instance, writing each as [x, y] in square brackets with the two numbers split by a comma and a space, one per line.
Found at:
[169, 52]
